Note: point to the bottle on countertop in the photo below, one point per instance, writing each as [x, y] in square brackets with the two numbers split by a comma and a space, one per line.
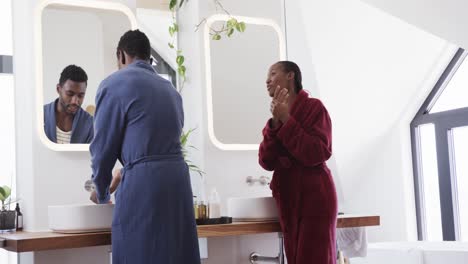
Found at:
[202, 210]
[195, 206]
[202, 205]
[214, 205]
[19, 218]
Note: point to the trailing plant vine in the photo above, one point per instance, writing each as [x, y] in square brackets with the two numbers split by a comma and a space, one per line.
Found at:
[228, 28]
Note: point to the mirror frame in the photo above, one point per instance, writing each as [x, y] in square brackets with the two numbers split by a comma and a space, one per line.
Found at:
[209, 86]
[91, 4]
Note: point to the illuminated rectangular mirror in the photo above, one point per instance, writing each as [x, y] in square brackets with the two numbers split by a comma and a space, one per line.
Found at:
[82, 33]
[238, 104]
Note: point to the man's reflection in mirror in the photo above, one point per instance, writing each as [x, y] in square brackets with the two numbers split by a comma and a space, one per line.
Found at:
[64, 119]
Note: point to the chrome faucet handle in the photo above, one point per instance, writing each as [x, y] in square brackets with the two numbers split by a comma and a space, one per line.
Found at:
[89, 186]
[250, 180]
[263, 180]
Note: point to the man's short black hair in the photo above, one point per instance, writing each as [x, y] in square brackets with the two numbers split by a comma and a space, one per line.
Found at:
[73, 73]
[136, 44]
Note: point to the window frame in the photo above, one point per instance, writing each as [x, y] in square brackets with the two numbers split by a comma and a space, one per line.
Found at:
[443, 122]
[6, 64]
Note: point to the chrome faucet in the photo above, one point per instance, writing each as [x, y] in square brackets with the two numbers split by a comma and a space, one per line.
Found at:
[263, 180]
[89, 186]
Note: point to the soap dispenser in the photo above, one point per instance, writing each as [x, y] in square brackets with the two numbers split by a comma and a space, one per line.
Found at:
[19, 218]
[214, 205]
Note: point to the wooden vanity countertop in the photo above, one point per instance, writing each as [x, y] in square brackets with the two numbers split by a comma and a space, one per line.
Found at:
[48, 240]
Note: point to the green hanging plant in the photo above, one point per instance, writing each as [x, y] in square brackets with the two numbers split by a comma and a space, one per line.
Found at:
[228, 28]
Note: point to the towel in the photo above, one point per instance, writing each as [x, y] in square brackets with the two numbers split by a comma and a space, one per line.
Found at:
[352, 241]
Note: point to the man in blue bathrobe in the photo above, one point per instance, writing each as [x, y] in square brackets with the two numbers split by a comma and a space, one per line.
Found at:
[138, 121]
[64, 119]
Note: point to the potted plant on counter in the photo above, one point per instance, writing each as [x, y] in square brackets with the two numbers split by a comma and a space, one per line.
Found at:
[183, 141]
[7, 217]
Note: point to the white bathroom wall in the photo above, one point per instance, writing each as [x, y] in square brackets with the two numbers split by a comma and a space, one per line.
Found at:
[114, 25]
[444, 18]
[155, 24]
[91, 255]
[44, 177]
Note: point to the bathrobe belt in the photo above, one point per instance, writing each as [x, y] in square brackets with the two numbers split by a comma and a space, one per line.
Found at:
[152, 158]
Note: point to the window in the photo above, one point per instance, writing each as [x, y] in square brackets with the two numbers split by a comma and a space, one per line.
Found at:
[7, 136]
[460, 154]
[439, 135]
[7, 144]
[7, 118]
[454, 95]
[6, 45]
[430, 183]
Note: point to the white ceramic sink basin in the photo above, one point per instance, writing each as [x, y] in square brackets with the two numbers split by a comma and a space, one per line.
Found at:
[80, 218]
[252, 209]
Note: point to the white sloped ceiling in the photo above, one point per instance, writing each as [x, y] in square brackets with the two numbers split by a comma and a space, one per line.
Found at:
[444, 18]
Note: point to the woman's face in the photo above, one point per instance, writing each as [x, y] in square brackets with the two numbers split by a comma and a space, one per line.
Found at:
[276, 77]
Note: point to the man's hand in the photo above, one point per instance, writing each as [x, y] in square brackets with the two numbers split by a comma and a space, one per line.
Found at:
[116, 178]
[93, 197]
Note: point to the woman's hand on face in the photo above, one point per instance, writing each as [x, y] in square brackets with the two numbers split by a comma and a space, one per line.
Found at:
[281, 95]
[279, 106]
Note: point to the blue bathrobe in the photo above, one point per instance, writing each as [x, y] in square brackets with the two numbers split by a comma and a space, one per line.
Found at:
[138, 120]
[82, 127]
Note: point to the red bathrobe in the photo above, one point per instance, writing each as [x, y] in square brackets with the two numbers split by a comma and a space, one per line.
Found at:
[302, 184]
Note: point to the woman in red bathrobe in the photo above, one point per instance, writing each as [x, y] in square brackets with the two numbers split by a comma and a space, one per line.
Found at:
[296, 144]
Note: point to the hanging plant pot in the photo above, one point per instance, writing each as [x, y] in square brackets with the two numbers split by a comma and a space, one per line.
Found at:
[7, 220]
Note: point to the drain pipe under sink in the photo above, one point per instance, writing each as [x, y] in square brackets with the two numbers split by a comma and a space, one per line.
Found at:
[255, 257]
